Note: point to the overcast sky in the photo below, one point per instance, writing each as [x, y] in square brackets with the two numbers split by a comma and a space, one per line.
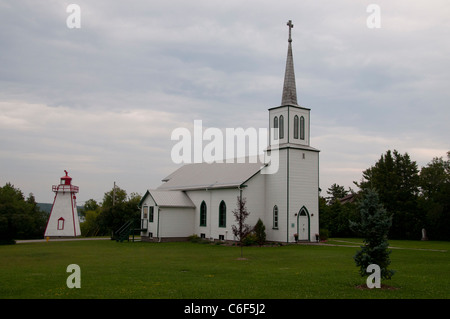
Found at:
[102, 100]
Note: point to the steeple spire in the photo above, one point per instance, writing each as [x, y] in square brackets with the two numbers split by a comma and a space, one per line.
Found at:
[289, 90]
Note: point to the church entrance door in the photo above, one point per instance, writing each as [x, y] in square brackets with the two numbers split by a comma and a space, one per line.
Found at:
[303, 224]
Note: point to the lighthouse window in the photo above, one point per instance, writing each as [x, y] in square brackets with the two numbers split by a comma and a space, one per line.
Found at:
[61, 223]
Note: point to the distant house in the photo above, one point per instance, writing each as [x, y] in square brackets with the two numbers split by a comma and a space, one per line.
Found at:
[199, 198]
[350, 198]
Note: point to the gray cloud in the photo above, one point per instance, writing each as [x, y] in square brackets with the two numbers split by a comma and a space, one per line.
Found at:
[102, 100]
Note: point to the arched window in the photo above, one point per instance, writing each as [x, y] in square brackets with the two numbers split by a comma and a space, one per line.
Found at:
[296, 127]
[281, 127]
[275, 128]
[222, 214]
[275, 217]
[302, 128]
[203, 214]
[61, 223]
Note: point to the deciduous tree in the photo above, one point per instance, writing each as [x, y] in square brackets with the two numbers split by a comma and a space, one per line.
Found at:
[241, 230]
[395, 178]
[20, 218]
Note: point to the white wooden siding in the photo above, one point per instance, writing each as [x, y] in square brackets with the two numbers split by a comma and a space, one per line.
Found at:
[304, 188]
[175, 222]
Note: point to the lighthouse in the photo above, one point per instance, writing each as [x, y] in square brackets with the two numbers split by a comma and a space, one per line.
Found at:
[63, 220]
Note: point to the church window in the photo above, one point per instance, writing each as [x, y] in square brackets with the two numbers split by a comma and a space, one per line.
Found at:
[296, 127]
[222, 214]
[281, 126]
[302, 128]
[150, 217]
[275, 128]
[203, 214]
[275, 217]
[145, 212]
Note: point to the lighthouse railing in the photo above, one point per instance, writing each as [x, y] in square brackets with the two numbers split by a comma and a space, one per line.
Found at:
[65, 188]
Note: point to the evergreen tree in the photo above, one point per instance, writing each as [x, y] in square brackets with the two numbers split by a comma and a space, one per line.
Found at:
[260, 232]
[374, 227]
[335, 216]
[336, 192]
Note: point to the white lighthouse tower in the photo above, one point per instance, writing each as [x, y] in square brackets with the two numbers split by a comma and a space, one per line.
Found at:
[63, 220]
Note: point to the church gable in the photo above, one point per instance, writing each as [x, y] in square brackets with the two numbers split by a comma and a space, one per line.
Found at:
[167, 199]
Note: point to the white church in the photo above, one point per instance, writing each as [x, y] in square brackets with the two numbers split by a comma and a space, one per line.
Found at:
[199, 198]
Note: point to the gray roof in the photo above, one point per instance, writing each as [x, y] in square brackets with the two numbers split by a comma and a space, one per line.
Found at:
[213, 175]
[169, 198]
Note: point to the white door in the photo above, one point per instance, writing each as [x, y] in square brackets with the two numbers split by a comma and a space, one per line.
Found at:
[303, 226]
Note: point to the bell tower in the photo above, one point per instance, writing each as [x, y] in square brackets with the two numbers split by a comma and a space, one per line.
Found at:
[293, 193]
[290, 121]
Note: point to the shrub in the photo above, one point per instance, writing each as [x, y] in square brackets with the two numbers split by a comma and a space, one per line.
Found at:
[194, 238]
[250, 239]
[260, 232]
[323, 234]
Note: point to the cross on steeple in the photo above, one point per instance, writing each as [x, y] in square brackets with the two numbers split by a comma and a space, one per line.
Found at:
[290, 25]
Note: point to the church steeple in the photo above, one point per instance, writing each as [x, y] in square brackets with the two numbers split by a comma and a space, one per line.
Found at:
[290, 121]
[289, 89]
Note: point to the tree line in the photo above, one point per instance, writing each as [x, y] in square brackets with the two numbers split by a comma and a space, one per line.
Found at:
[20, 217]
[116, 209]
[415, 199]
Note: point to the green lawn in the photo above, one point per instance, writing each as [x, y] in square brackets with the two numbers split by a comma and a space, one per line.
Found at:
[186, 270]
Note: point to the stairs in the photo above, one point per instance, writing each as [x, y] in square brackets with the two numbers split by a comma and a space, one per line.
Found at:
[124, 232]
